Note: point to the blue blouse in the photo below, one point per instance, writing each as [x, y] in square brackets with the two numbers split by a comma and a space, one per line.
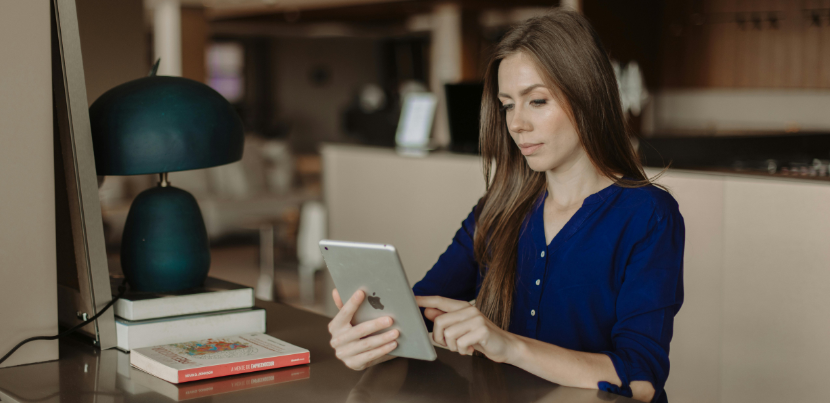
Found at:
[611, 280]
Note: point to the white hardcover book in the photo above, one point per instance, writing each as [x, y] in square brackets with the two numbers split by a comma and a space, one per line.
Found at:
[215, 295]
[220, 356]
[146, 333]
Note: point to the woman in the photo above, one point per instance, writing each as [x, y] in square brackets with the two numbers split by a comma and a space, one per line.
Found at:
[574, 258]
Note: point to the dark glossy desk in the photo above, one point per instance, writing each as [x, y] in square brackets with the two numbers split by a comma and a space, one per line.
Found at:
[85, 374]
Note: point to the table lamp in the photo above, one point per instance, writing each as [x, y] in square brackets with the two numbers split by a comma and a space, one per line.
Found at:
[156, 125]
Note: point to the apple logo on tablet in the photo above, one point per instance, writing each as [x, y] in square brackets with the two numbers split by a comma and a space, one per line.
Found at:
[375, 302]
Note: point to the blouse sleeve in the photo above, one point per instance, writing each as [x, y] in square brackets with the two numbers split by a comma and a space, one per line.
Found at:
[650, 296]
[454, 275]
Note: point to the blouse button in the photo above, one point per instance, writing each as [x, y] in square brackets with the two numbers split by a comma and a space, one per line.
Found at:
[543, 253]
[532, 312]
[538, 282]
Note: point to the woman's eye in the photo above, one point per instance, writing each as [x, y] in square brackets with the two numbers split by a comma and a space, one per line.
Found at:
[506, 107]
[538, 102]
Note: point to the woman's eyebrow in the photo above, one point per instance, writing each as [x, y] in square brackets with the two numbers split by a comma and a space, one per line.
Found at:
[522, 92]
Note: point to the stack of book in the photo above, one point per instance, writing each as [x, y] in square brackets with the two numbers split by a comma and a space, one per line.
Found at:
[219, 309]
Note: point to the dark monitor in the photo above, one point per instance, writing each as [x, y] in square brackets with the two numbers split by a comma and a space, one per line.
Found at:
[463, 110]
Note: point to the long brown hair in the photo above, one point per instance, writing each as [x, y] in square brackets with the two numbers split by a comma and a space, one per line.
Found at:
[574, 65]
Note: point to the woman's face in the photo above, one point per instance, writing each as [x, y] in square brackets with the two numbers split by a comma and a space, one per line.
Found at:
[538, 124]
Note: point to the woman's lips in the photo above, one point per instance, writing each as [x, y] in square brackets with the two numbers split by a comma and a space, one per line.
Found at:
[529, 148]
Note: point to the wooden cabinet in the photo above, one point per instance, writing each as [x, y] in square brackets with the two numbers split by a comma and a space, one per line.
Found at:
[746, 44]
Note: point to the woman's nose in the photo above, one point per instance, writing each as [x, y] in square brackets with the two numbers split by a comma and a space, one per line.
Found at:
[519, 122]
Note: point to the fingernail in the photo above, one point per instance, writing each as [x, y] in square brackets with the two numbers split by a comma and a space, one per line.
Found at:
[387, 321]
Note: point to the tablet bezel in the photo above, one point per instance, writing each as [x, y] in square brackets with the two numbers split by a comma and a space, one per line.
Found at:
[376, 268]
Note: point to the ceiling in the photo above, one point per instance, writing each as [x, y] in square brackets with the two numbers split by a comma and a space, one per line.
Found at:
[240, 8]
[360, 11]
[334, 17]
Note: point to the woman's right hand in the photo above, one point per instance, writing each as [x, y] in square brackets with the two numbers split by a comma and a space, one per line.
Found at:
[350, 342]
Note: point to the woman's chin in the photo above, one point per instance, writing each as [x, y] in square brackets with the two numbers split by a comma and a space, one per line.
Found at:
[536, 164]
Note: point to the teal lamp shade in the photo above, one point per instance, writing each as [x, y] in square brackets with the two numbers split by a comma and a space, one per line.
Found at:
[162, 124]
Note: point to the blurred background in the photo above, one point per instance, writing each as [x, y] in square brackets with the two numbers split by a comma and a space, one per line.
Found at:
[723, 86]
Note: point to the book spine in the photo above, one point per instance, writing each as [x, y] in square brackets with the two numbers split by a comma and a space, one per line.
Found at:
[242, 367]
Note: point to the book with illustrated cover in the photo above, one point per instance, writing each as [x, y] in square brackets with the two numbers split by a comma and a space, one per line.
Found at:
[212, 358]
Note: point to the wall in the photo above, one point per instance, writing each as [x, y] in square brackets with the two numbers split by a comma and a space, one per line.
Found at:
[113, 43]
[727, 111]
[28, 293]
[428, 197]
[755, 321]
[695, 355]
[416, 204]
[696, 373]
[315, 112]
[776, 290]
[194, 43]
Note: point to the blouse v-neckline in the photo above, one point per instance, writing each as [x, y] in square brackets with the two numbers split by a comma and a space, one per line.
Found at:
[589, 205]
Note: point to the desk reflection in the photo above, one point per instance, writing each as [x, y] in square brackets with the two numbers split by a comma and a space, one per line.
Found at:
[137, 382]
[466, 379]
[86, 374]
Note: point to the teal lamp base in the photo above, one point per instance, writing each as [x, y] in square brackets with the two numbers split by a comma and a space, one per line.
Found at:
[165, 244]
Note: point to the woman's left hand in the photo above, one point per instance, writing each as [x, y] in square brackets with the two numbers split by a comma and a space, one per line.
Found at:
[463, 328]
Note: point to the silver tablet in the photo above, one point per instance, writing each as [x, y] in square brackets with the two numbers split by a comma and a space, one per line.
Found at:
[377, 270]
